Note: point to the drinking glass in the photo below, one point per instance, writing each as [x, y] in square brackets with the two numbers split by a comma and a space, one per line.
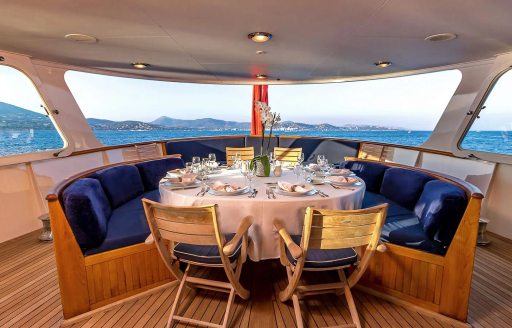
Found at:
[188, 167]
[319, 159]
[297, 169]
[236, 161]
[196, 162]
[250, 175]
[212, 158]
[244, 169]
[300, 158]
[271, 159]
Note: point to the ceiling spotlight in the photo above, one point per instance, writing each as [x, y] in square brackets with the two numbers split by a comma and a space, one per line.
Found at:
[383, 64]
[140, 65]
[441, 37]
[260, 36]
[260, 52]
[261, 76]
[82, 38]
[2, 58]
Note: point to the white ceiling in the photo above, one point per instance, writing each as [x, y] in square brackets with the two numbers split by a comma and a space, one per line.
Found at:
[206, 40]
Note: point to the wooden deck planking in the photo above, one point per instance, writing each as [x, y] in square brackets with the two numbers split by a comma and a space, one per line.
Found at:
[29, 296]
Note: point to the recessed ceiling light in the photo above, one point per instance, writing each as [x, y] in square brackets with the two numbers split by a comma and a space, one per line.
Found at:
[82, 38]
[140, 65]
[261, 52]
[441, 37]
[261, 76]
[383, 64]
[2, 58]
[260, 36]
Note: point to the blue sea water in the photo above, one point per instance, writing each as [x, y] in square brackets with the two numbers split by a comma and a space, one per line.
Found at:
[26, 141]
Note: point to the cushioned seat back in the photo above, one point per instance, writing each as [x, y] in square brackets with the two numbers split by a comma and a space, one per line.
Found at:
[440, 209]
[121, 183]
[371, 173]
[201, 148]
[151, 172]
[87, 209]
[403, 186]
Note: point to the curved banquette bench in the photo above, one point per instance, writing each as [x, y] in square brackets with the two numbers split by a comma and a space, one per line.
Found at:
[99, 232]
[430, 233]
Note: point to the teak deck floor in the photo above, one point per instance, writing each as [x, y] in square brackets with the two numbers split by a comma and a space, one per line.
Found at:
[29, 296]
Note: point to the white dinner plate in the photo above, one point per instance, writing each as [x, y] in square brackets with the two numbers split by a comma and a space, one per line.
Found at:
[357, 183]
[193, 184]
[225, 193]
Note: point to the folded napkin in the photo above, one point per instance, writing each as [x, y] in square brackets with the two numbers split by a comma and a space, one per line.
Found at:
[290, 187]
[314, 167]
[225, 187]
[182, 178]
[342, 179]
[341, 171]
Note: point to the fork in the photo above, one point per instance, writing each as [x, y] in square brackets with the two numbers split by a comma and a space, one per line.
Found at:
[272, 192]
[200, 191]
[268, 193]
[205, 191]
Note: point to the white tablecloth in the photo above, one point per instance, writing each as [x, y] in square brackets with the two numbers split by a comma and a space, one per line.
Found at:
[290, 210]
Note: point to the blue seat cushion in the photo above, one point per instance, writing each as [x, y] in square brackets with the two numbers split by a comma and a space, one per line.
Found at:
[151, 172]
[127, 225]
[440, 209]
[207, 254]
[87, 209]
[324, 258]
[121, 183]
[406, 230]
[403, 186]
[371, 173]
[372, 199]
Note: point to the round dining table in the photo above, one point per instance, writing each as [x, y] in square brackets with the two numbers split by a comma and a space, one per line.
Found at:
[290, 210]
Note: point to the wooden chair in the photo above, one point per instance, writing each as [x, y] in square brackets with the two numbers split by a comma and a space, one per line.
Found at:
[328, 242]
[246, 154]
[191, 235]
[288, 155]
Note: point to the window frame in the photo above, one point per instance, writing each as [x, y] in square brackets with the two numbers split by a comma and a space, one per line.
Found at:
[472, 115]
[37, 155]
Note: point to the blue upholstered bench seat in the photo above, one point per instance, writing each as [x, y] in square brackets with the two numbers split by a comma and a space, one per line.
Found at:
[127, 225]
[423, 212]
[207, 254]
[324, 258]
[105, 209]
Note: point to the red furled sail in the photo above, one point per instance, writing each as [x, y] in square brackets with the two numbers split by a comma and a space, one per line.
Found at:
[259, 93]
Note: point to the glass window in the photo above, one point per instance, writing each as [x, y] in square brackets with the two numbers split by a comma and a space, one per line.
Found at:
[490, 131]
[402, 110]
[125, 110]
[24, 126]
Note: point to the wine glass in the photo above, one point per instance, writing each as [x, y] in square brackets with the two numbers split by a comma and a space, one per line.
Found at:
[319, 159]
[244, 169]
[196, 162]
[237, 159]
[297, 169]
[188, 167]
[250, 175]
[212, 159]
[300, 158]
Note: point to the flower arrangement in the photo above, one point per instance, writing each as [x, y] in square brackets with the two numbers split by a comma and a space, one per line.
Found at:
[269, 120]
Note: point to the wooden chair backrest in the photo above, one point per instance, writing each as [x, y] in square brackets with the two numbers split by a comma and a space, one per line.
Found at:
[246, 154]
[333, 229]
[195, 225]
[148, 151]
[287, 154]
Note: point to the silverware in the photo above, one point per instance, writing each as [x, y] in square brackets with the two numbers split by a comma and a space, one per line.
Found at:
[205, 191]
[200, 191]
[273, 193]
[253, 193]
[268, 193]
[322, 194]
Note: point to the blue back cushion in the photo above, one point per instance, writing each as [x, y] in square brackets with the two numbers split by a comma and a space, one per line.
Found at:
[87, 209]
[152, 172]
[440, 209]
[334, 150]
[121, 183]
[201, 148]
[371, 173]
[403, 186]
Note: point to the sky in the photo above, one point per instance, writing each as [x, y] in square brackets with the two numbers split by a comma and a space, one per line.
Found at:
[413, 102]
